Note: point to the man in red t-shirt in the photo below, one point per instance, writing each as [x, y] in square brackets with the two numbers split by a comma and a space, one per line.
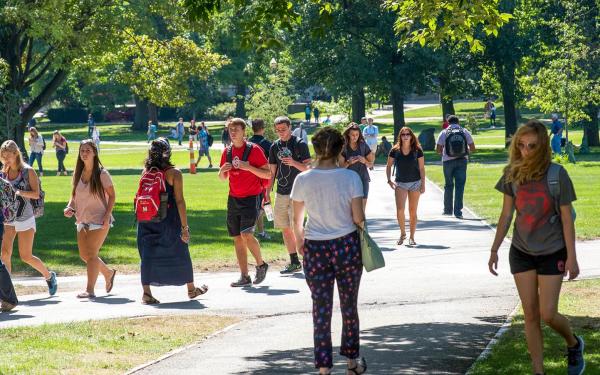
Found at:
[245, 199]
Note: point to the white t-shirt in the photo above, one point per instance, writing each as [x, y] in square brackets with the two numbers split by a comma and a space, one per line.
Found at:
[303, 136]
[327, 195]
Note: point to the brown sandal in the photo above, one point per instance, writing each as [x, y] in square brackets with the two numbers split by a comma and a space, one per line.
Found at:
[86, 295]
[401, 239]
[197, 292]
[147, 299]
[111, 282]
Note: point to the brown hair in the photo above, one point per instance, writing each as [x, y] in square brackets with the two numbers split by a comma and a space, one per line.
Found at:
[414, 141]
[328, 143]
[353, 127]
[237, 121]
[96, 187]
[534, 167]
[258, 124]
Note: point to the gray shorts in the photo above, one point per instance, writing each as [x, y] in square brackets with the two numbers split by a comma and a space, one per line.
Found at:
[409, 186]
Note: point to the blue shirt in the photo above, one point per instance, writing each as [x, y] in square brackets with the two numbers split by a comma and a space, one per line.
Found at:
[556, 128]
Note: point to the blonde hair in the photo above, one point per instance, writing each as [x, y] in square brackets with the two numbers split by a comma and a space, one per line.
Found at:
[11, 146]
[534, 167]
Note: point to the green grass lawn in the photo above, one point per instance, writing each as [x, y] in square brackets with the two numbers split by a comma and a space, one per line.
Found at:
[461, 109]
[111, 346]
[579, 302]
[481, 196]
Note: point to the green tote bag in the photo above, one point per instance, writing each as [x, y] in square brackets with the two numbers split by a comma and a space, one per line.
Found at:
[372, 258]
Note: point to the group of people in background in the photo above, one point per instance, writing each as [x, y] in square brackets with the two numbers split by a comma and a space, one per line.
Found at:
[331, 188]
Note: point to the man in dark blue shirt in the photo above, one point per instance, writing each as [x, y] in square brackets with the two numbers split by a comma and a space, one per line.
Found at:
[258, 128]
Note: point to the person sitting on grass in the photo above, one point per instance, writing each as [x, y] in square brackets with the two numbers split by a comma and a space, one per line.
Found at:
[542, 251]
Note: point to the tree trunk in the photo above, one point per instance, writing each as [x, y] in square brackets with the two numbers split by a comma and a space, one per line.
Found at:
[140, 120]
[398, 109]
[591, 127]
[153, 113]
[240, 100]
[506, 75]
[358, 105]
[446, 99]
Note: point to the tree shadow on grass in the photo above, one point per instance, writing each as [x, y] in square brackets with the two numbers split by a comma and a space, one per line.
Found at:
[435, 348]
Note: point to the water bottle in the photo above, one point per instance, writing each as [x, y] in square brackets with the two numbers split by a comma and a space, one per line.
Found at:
[268, 211]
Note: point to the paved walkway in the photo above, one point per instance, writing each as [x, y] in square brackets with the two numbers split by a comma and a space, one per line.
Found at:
[432, 309]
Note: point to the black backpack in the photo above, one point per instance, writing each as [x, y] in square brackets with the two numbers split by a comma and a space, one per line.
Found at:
[456, 143]
[44, 146]
[209, 139]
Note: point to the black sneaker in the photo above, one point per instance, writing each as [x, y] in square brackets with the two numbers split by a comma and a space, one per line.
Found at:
[243, 281]
[575, 361]
[261, 273]
[291, 268]
[459, 216]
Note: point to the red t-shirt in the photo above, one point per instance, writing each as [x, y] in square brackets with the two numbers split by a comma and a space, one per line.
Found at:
[245, 183]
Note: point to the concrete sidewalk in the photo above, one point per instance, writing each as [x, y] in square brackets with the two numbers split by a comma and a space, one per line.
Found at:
[432, 309]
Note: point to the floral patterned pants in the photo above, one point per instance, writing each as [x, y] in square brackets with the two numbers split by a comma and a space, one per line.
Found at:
[324, 263]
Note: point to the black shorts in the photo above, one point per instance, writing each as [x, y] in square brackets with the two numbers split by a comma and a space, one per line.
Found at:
[242, 214]
[551, 264]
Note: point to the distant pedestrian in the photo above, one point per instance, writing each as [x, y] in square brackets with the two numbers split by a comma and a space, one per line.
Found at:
[445, 123]
[203, 145]
[26, 184]
[92, 202]
[307, 112]
[357, 156]
[152, 128]
[225, 135]
[556, 129]
[316, 114]
[258, 138]
[194, 131]
[454, 144]
[301, 133]
[363, 124]
[542, 251]
[96, 138]
[327, 120]
[36, 147]
[331, 247]
[371, 133]
[163, 245]
[91, 123]
[289, 155]
[180, 128]
[384, 147]
[245, 166]
[61, 147]
[407, 159]
[8, 204]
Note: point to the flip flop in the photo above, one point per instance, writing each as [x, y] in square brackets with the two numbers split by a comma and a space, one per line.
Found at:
[111, 282]
[197, 292]
[401, 239]
[86, 295]
[354, 370]
[147, 299]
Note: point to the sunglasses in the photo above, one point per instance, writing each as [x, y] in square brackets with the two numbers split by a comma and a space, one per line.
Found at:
[405, 134]
[529, 146]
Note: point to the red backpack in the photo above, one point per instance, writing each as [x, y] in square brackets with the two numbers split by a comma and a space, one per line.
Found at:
[150, 202]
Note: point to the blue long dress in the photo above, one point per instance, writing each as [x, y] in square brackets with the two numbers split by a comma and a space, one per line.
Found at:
[165, 257]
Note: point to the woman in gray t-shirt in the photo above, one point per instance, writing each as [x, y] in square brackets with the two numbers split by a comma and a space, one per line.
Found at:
[329, 242]
[26, 185]
[543, 243]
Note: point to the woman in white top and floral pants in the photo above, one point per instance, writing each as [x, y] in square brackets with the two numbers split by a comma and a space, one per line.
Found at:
[330, 245]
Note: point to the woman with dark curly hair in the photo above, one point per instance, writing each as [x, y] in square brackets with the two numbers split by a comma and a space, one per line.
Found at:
[163, 246]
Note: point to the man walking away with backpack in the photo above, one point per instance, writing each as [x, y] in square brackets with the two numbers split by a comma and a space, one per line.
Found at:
[246, 167]
[454, 144]
[258, 128]
[288, 157]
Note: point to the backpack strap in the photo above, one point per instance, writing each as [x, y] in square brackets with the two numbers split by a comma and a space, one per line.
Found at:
[247, 151]
[229, 154]
[553, 178]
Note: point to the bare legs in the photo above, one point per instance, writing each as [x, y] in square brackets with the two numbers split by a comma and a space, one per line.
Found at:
[243, 242]
[413, 203]
[25, 244]
[539, 298]
[89, 243]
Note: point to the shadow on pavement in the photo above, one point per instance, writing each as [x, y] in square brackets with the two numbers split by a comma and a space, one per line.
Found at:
[39, 302]
[112, 301]
[8, 316]
[436, 348]
[268, 291]
[296, 275]
[183, 305]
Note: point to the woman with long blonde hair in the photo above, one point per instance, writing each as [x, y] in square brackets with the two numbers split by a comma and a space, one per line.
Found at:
[26, 184]
[408, 159]
[92, 201]
[543, 243]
